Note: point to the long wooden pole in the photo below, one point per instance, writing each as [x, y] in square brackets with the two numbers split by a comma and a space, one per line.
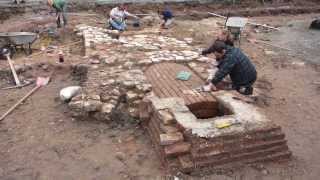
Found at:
[19, 102]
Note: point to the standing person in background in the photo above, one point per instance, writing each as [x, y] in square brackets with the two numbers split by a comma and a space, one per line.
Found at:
[61, 7]
[118, 16]
[167, 17]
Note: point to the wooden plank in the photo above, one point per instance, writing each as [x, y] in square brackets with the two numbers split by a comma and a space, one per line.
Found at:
[172, 74]
[163, 84]
[172, 78]
[163, 76]
[169, 84]
[155, 83]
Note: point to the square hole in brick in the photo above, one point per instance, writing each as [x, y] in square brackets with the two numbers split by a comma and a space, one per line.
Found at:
[209, 109]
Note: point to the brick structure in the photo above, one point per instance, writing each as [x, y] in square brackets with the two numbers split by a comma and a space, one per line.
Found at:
[188, 142]
[189, 129]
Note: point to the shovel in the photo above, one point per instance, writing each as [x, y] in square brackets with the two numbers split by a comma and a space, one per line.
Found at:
[41, 81]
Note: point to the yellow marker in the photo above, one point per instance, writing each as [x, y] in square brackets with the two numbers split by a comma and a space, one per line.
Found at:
[222, 125]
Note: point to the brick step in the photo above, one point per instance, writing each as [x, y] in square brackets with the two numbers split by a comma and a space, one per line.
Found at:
[156, 126]
[274, 157]
[155, 131]
[233, 151]
[165, 161]
[177, 149]
[202, 142]
[239, 142]
[243, 156]
[156, 143]
[187, 165]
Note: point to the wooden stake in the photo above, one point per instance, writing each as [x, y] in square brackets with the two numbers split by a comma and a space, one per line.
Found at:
[15, 76]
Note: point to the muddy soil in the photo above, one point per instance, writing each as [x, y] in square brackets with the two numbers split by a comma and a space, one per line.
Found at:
[41, 141]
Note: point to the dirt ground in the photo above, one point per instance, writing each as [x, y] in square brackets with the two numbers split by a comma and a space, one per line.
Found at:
[41, 141]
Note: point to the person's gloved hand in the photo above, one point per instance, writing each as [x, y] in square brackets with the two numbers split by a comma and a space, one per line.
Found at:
[204, 52]
[208, 81]
[213, 87]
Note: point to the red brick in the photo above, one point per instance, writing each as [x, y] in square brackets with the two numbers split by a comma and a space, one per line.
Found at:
[168, 129]
[172, 138]
[166, 117]
[177, 149]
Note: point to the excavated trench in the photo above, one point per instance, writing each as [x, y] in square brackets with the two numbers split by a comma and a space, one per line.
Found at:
[191, 152]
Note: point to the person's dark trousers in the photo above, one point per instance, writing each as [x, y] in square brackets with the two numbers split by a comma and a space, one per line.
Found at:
[245, 89]
[64, 16]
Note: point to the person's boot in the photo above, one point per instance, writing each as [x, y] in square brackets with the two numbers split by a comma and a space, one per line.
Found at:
[245, 90]
[248, 91]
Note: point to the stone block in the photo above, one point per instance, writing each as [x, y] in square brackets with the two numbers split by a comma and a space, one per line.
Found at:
[177, 149]
[172, 138]
[129, 84]
[166, 117]
[92, 105]
[132, 96]
[186, 120]
[144, 113]
[76, 105]
[168, 129]
[166, 103]
[107, 108]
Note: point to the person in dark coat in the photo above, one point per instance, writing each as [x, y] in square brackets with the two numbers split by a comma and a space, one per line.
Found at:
[233, 62]
[315, 24]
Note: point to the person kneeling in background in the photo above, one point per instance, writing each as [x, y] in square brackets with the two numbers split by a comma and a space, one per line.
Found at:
[118, 16]
[167, 17]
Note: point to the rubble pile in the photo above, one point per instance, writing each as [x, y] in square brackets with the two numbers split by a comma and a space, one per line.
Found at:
[188, 144]
[177, 56]
[105, 88]
[151, 42]
[145, 48]
[95, 35]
